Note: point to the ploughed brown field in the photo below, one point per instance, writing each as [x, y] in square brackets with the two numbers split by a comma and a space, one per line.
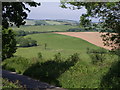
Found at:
[92, 37]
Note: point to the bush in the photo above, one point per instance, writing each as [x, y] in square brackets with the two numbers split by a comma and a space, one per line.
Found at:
[74, 57]
[21, 33]
[97, 55]
[97, 58]
[99, 51]
[50, 70]
[25, 42]
[76, 30]
[40, 56]
[17, 64]
[57, 57]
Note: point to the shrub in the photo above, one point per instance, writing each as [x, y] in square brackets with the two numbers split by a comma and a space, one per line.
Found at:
[99, 51]
[17, 64]
[40, 56]
[97, 58]
[97, 55]
[50, 70]
[26, 42]
[74, 57]
[57, 57]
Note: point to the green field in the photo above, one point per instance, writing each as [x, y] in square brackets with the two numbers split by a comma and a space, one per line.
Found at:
[67, 70]
[53, 22]
[65, 73]
[56, 43]
[45, 28]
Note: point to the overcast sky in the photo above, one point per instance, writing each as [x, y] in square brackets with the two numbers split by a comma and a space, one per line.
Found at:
[52, 10]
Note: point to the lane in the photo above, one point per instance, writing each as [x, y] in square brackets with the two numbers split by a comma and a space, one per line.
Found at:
[27, 81]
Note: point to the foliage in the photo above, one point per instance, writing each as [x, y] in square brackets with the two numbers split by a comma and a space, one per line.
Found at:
[10, 85]
[12, 13]
[8, 43]
[16, 64]
[15, 13]
[50, 71]
[112, 78]
[25, 42]
[47, 71]
[45, 45]
[84, 22]
[40, 56]
[74, 57]
[97, 58]
[108, 14]
[70, 72]
[21, 33]
[24, 33]
[40, 22]
[75, 30]
[97, 55]
[57, 57]
[86, 29]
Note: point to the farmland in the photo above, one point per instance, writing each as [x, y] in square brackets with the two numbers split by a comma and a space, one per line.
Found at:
[45, 28]
[55, 43]
[62, 60]
[92, 37]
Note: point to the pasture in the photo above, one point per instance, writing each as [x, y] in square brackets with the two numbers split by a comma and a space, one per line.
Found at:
[55, 43]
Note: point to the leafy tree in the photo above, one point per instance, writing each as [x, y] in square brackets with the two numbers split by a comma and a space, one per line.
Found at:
[84, 21]
[12, 13]
[8, 43]
[25, 42]
[108, 14]
[15, 13]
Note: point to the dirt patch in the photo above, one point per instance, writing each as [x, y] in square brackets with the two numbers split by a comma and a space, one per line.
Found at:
[92, 37]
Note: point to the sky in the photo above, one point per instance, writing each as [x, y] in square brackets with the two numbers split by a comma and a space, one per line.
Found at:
[52, 10]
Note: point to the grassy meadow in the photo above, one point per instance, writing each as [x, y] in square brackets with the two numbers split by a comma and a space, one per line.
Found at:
[66, 45]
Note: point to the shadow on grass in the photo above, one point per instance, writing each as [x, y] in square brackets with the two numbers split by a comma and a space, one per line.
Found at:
[49, 71]
[112, 78]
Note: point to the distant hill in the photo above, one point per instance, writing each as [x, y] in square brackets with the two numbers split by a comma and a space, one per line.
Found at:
[50, 22]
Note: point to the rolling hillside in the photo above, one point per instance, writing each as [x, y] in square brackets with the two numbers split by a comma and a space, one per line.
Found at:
[50, 22]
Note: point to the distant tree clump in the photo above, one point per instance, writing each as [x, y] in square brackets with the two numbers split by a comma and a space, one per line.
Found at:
[25, 42]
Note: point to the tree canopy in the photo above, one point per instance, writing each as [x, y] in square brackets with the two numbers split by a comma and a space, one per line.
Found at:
[108, 14]
[15, 13]
[12, 13]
